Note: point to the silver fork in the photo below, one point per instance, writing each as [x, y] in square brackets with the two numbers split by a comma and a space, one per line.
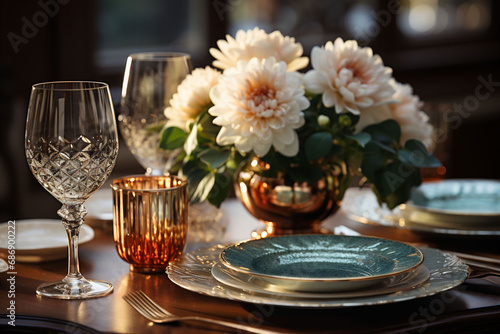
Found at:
[155, 313]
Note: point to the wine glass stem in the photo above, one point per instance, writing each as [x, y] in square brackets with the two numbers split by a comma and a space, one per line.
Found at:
[73, 262]
[72, 217]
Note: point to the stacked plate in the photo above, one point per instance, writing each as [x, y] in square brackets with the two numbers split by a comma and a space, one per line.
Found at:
[454, 206]
[316, 270]
[39, 240]
[460, 204]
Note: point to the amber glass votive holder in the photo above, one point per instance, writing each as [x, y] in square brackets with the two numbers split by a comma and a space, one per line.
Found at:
[150, 219]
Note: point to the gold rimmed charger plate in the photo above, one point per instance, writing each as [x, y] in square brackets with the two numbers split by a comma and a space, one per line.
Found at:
[193, 271]
[256, 284]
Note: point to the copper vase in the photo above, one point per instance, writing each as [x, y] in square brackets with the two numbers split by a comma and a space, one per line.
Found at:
[285, 208]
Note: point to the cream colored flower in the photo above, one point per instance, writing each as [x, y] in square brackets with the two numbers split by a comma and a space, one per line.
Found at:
[373, 115]
[349, 77]
[257, 43]
[259, 104]
[407, 112]
[192, 97]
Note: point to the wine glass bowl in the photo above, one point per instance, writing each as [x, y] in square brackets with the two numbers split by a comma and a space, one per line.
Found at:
[71, 147]
[149, 82]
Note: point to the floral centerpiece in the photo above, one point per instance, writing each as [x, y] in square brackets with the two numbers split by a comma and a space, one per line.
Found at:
[346, 112]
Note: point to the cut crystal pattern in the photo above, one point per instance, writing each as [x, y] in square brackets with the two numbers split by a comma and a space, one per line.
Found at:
[72, 170]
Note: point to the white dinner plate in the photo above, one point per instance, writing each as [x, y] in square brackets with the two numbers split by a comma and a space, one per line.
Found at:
[100, 205]
[321, 263]
[38, 240]
[192, 271]
[3, 266]
[251, 283]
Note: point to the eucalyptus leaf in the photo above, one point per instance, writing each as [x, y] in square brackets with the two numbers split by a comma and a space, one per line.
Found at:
[387, 132]
[362, 138]
[416, 154]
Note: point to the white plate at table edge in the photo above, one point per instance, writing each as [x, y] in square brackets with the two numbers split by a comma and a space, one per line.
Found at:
[52, 249]
[384, 217]
[255, 284]
[3, 266]
[446, 272]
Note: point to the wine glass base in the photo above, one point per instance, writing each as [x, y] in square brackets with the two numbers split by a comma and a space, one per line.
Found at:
[61, 290]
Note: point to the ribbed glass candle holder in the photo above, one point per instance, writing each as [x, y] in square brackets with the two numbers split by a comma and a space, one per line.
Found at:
[149, 220]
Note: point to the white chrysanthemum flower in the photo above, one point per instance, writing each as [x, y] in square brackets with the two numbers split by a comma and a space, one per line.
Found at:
[407, 112]
[349, 77]
[257, 43]
[373, 115]
[192, 97]
[259, 104]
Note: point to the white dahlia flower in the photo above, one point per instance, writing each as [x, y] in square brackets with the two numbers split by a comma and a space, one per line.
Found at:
[407, 112]
[349, 77]
[257, 43]
[373, 115]
[258, 104]
[192, 97]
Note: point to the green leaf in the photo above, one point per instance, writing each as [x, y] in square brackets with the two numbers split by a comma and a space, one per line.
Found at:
[373, 160]
[203, 188]
[172, 138]
[206, 122]
[387, 132]
[318, 145]
[416, 154]
[393, 184]
[220, 189]
[200, 180]
[362, 138]
[384, 147]
[192, 140]
[214, 157]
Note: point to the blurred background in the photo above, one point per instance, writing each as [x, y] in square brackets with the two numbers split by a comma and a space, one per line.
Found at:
[448, 50]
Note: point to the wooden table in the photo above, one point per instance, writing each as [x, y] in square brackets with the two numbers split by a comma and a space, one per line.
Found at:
[471, 307]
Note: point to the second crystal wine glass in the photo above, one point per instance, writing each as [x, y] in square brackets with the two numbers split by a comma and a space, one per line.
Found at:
[71, 147]
[149, 82]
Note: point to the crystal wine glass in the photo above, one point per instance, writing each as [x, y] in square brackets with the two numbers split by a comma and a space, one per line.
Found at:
[149, 82]
[71, 146]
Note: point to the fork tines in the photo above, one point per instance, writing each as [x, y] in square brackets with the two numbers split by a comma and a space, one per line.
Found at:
[144, 305]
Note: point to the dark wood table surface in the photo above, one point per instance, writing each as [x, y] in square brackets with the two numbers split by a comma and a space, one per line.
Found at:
[472, 307]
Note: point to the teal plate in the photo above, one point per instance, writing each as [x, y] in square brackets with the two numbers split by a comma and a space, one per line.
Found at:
[320, 263]
[466, 204]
